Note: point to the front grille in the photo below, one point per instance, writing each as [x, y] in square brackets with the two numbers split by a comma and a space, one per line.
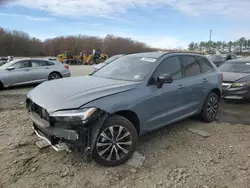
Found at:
[33, 107]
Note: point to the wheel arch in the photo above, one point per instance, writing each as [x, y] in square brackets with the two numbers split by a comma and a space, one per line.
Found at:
[55, 72]
[132, 117]
[217, 91]
[214, 90]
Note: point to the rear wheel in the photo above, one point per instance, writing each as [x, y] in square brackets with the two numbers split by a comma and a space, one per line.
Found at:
[116, 141]
[210, 108]
[54, 76]
[1, 85]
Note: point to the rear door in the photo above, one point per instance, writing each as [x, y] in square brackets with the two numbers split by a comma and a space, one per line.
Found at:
[193, 84]
[208, 76]
[20, 74]
[40, 69]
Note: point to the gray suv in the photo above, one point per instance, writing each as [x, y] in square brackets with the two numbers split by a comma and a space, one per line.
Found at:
[103, 114]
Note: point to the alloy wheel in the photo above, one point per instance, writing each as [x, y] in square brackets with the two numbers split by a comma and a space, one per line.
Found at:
[54, 76]
[114, 143]
[212, 107]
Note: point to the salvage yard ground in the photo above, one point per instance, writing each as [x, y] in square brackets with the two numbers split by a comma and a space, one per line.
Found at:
[176, 156]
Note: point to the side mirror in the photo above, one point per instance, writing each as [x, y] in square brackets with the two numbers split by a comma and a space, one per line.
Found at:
[164, 78]
[10, 68]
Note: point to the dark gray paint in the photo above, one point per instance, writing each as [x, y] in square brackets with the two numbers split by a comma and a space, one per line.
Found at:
[155, 107]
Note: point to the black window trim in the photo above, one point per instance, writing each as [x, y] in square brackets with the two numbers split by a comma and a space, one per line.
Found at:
[184, 67]
[201, 67]
[152, 81]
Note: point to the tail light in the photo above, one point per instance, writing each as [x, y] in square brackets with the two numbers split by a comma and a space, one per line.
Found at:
[66, 66]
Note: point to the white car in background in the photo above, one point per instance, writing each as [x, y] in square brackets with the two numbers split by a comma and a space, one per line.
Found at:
[109, 60]
[31, 71]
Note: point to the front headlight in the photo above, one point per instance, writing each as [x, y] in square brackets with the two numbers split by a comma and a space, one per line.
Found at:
[73, 116]
[240, 84]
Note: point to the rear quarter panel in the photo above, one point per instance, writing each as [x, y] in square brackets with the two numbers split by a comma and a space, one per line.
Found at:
[59, 67]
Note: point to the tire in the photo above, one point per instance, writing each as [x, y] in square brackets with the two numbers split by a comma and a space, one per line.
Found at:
[210, 108]
[1, 85]
[55, 76]
[91, 62]
[105, 146]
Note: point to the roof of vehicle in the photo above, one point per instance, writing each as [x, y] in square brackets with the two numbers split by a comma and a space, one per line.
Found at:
[238, 61]
[159, 54]
[32, 58]
[148, 54]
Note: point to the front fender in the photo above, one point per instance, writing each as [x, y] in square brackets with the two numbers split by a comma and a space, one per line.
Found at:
[94, 130]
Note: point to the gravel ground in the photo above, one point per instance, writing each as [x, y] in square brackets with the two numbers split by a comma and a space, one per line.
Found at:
[175, 156]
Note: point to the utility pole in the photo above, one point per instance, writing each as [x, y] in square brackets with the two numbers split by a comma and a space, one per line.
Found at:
[210, 35]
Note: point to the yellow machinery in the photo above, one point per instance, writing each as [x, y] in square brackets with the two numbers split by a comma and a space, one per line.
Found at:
[92, 59]
[66, 57]
[88, 59]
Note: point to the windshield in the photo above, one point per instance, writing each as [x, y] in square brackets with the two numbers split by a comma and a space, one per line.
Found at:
[242, 67]
[128, 68]
[112, 58]
[6, 65]
[218, 57]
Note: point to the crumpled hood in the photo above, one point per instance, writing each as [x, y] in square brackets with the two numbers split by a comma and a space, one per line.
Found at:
[233, 76]
[69, 93]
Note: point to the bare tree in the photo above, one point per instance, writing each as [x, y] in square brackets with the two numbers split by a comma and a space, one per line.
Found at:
[18, 43]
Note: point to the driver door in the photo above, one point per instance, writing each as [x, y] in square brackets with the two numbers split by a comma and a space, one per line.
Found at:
[166, 102]
[20, 73]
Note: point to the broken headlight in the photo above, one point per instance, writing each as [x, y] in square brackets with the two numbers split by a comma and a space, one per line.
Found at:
[80, 116]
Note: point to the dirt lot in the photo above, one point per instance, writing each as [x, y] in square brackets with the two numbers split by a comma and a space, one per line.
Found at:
[175, 157]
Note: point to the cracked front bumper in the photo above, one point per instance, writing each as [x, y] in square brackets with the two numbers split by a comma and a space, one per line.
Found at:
[65, 136]
[56, 136]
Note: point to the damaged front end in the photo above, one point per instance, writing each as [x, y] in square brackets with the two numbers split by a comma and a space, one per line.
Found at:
[71, 130]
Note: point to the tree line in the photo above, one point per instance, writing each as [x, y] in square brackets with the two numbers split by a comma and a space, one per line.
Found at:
[18, 43]
[239, 46]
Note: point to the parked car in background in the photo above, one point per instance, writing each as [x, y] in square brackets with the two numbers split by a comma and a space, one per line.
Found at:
[31, 71]
[104, 113]
[109, 60]
[3, 60]
[219, 59]
[52, 58]
[236, 79]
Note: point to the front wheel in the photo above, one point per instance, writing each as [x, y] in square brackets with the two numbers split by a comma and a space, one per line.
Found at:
[210, 108]
[116, 141]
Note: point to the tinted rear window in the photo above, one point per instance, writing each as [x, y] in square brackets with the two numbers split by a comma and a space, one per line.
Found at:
[205, 64]
[190, 65]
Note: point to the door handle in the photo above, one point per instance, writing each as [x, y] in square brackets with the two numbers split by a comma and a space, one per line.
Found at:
[27, 69]
[180, 86]
[205, 80]
[47, 68]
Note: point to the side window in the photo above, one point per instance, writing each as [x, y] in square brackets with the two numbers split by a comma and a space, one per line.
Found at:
[50, 63]
[21, 64]
[38, 63]
[170, 66]
[205, 64]
[190, 65]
